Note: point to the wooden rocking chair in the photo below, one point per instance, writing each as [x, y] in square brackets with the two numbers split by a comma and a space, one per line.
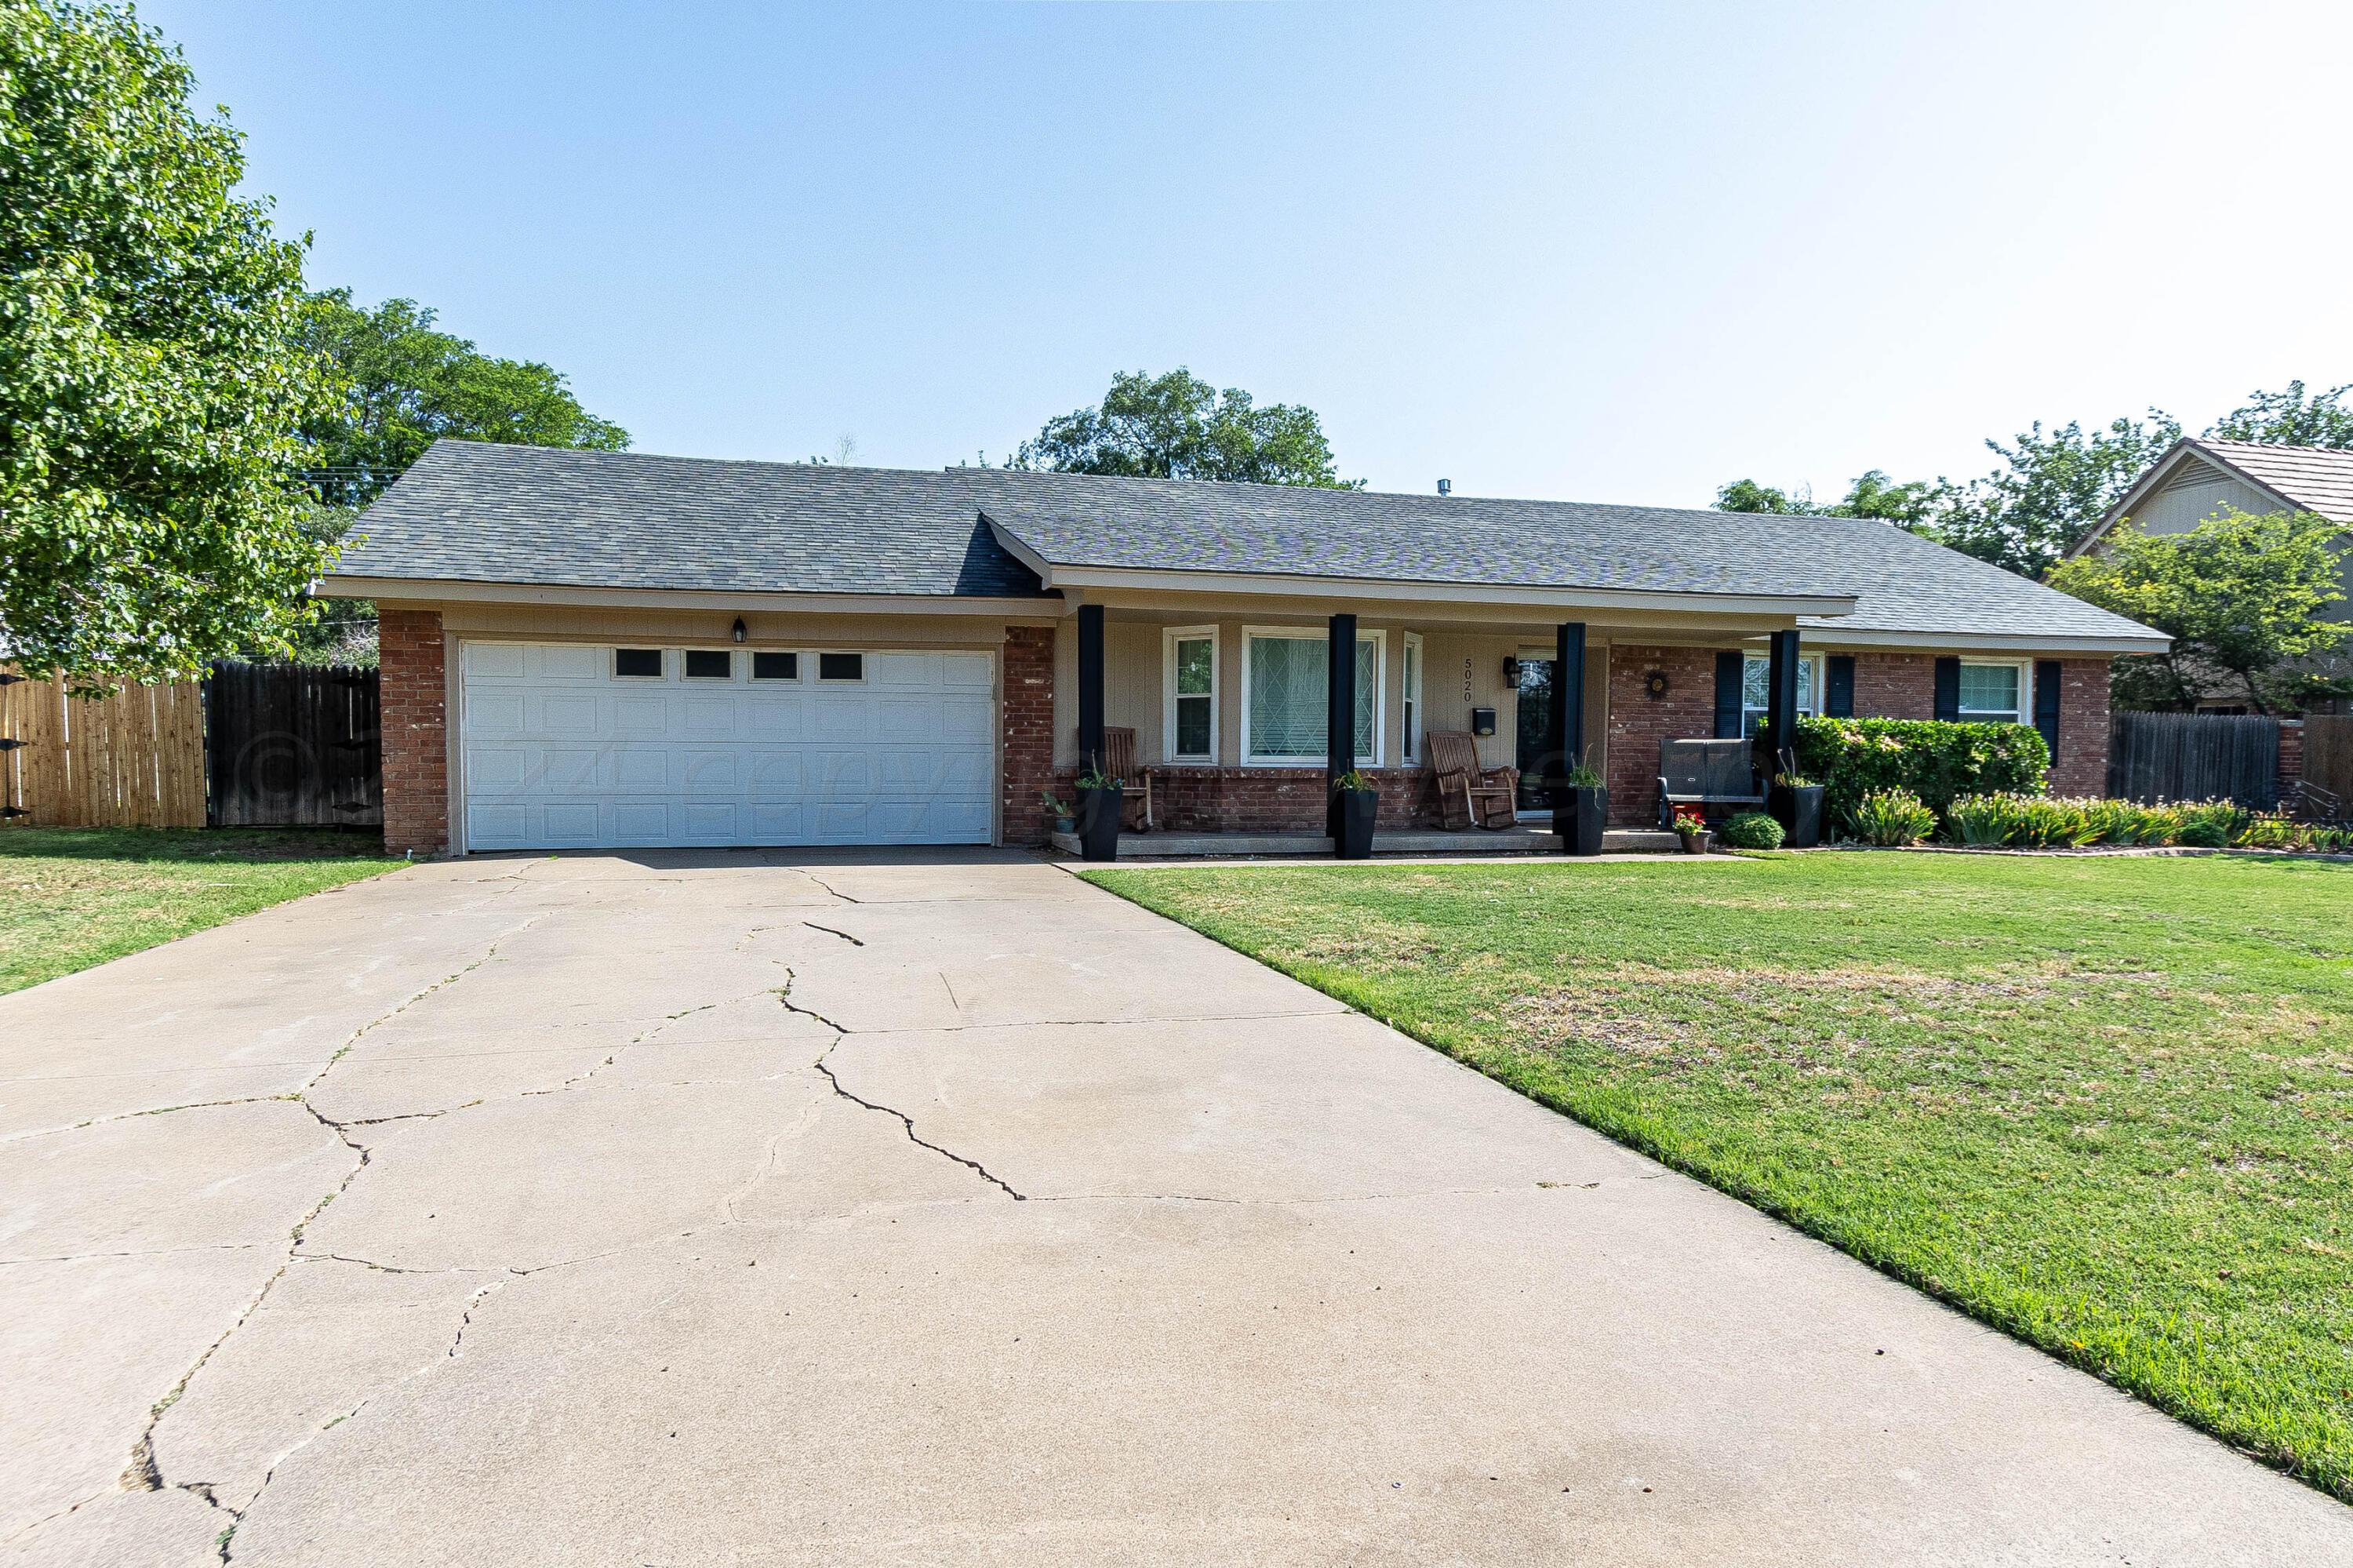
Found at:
[1468, 794]
[1136, 783]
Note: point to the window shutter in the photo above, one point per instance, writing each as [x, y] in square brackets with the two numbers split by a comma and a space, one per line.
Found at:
[1948, 689]
[2046, 704]
[1838, 681]
[1728, 695]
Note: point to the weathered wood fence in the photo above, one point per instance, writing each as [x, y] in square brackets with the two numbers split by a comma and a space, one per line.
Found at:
[253, 745]
[294, 746]
[131, 759]
[2195, 757]
[2329, 752]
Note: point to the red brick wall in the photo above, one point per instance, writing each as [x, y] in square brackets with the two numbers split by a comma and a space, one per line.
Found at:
[1028, 719]
[2081, 767]
[1895, 686]
[2290, 752]
[1274, 799]
[1638, 722]
[416, 732]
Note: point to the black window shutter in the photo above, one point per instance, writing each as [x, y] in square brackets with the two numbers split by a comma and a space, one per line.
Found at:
[1948, 688]
[2046, 702]
[1838, 682]
[1728, 695]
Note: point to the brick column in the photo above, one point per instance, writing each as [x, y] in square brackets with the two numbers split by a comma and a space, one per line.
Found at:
[1028, 739]
[416, 733]
[2083, 765]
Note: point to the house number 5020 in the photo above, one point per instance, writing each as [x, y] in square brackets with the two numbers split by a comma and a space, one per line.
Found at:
[1466, 680]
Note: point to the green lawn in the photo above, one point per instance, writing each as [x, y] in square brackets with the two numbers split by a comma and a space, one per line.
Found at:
[71, 898]
[2105, 1104]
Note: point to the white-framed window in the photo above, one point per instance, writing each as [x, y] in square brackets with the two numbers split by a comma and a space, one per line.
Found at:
[1409, 703]
[1994, 691]
[1756, 689]
[1188, 687]
[1285, 693]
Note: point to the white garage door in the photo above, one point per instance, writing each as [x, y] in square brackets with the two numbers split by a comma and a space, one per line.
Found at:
[572, 746]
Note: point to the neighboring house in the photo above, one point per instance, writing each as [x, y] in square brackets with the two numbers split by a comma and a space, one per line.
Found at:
[2198, 478]
[587, 649]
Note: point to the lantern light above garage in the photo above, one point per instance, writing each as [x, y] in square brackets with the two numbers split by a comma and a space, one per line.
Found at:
[740, 631]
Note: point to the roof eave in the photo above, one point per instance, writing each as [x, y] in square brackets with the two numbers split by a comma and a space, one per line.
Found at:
[2141, 642]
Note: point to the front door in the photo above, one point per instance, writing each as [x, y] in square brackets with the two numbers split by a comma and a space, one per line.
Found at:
[1539, 747]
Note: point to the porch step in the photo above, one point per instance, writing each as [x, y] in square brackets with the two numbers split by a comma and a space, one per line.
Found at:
[1523, 840]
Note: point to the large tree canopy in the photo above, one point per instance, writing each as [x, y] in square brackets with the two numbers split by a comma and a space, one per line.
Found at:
[2289, 418]
[151, 376]
[405, 384]
[1177, 426]
[2239, 595]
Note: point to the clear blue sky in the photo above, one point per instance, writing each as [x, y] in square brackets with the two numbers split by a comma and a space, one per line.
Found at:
[1595, 252]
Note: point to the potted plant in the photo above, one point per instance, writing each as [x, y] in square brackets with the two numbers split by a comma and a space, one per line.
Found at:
[1580, 810]
[1063, 813]
[1796, 803]
[1692, 829]
[1099, 801]
[1359, 804]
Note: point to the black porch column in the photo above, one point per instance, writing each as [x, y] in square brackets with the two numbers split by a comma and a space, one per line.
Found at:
[1782, 703]
[1568, 712]
[1340, 716]
[1091, 686]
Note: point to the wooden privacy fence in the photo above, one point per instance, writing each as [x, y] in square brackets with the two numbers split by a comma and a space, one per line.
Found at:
[254, 746]
[135, 758]
[2194, 757]
[2329, 752]
[294, 746]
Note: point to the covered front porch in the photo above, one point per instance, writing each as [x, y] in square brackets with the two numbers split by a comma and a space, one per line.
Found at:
[1231, 723]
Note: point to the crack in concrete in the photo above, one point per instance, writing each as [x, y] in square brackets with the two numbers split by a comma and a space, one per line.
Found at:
[783, 995]
[142, 1473]
[829, 888]
[854, 941]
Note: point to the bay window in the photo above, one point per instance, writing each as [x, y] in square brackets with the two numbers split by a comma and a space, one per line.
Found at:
[1285, 696]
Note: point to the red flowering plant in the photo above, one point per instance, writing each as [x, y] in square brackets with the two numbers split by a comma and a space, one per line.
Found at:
[1690, 820]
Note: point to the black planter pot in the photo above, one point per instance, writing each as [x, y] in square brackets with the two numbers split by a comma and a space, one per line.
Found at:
[1799, 813]
[1354, 821]
[1578, 816]
[1099, 824]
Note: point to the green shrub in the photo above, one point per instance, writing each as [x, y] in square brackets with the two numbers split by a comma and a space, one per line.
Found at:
[1933, 761]
[1753, 830]
[2208, 824]
[1892, 817]
[1981, 819]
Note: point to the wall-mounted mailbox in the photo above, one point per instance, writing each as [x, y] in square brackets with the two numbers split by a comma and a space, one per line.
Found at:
[1483, 721]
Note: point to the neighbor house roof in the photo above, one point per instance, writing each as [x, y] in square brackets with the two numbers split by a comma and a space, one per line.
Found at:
[2302, 479]
[476, 514]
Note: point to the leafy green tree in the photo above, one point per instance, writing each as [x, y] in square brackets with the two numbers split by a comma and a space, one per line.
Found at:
[1177, 426]
[405, 384]
[152, 378]
[2050, 491]
[1911, 504]
[2291, 420]
[2241, 595]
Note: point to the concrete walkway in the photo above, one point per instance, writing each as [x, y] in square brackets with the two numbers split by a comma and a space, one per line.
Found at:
[681, 1209]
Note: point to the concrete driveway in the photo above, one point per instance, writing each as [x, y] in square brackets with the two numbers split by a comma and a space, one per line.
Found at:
[742, 1209]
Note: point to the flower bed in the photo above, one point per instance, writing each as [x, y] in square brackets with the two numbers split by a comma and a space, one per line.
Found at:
[2006, 820]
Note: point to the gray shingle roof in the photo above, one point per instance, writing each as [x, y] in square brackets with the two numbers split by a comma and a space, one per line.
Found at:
[477, 513]
[2316, 479]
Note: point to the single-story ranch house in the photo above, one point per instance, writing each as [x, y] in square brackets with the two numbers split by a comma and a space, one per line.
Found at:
[612, 649]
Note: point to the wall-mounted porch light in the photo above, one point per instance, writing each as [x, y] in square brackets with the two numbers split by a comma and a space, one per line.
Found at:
[1511, 670]
[740, 631]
